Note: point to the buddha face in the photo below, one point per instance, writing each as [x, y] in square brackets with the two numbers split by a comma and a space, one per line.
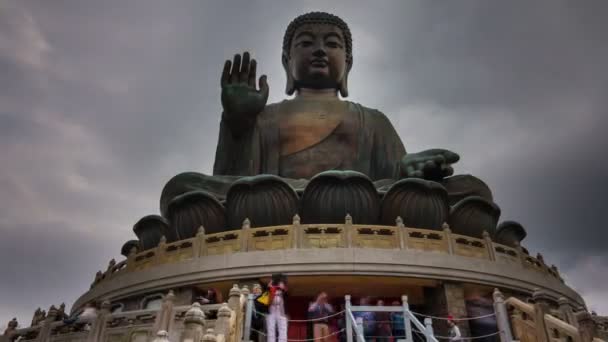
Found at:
[317, 57]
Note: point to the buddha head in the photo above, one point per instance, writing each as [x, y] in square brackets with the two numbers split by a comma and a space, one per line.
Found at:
[317, 53]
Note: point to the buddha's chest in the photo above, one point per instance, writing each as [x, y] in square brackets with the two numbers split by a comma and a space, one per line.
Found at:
[317, 138]
[302, 127]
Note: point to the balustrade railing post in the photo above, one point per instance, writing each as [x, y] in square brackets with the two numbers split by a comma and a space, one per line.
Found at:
[131, 259]
[502, 317]
[160, 250]
[428, 329]
[194, 324]
[296, 231]
[400, 232]
[245, 235]
[347, 318]
[448, 235]
[248, 317]
[406, 319]
[164, 317]
[348, 227]
[520, 253]
[541, 307]
[489, 245]
[200, 242]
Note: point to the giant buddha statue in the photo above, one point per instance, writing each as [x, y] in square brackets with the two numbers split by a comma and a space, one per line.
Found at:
[316, 154]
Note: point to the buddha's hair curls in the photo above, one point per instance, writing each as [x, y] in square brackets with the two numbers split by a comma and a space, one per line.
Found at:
[319, 18]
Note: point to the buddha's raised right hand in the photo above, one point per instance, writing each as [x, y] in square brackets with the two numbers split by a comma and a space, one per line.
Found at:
[241, 100]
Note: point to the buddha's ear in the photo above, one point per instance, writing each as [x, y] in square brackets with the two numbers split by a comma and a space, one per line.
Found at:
[343, 86]
[290, 87]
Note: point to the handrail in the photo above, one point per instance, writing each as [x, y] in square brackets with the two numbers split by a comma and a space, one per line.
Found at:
[561, 325]
[522, 306]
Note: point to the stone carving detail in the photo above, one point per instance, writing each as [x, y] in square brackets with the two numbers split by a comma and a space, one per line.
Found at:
[266, 200]
[331, 195]
[474, 215]
[191, 210]
[510, 233]
[419, 203]
[128, 246]
[149, 229]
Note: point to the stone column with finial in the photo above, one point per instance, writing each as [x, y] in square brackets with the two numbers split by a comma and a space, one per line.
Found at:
[164, 317]
[194, 324]
[98, 325]
[131, 259]
[45, 330]
[489, 245]
[448, 236]
[209, 336]
[10, 331]
[502, 317]
[234, 297]
[541, 307]
[297, 232]
[245, 234]
[161, 250]
[222, 324]
[402, 233]
[565, 307]
[161, 336]
[348, 227]
[200, 243]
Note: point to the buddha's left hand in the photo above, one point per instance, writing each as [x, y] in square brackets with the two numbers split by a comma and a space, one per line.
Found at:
[434, 164]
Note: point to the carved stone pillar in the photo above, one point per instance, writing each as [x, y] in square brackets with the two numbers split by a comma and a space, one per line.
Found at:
[234, 297]
[542, 306]
[99, 324]
[502, 317]
[161, 336]
[565, 307]
[222, 324]
[194, 324]
[45, 330]
[164, 317]
[209, 336]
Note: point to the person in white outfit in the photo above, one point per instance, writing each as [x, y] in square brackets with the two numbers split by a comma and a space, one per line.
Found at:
[454, 331]
[276, 319]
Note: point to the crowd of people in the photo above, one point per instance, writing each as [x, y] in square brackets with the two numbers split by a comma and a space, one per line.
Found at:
[270, 322]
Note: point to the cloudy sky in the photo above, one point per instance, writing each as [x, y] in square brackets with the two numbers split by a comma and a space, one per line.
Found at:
[101, 102]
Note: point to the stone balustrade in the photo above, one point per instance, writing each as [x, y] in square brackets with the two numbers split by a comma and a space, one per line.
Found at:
[173, 323]
[346, 235]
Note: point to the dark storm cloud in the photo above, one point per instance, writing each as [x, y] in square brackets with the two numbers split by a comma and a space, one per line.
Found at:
[102, 102]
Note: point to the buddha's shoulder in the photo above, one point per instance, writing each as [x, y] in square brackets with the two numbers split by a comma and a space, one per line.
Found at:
[370, 115]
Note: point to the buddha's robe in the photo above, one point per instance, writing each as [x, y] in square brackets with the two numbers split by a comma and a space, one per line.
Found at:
[297, 139]
[300, 138]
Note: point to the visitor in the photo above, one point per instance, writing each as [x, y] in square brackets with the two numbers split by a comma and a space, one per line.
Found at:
[454, 332]
[318, 312]
[397, 323]
[276, 319]
[210, 297]
[383, 324]
[258, 316]
[367, 319]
